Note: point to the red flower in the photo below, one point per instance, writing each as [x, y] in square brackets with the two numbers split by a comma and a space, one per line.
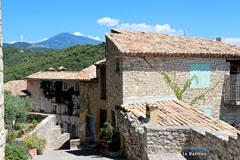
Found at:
[103, 144]
[100, 141]
[106, 146]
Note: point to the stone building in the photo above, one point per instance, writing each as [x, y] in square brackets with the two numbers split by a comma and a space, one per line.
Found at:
[87, 92]
[17, 88]
[143, 66]
[3, 132]
[203, 73]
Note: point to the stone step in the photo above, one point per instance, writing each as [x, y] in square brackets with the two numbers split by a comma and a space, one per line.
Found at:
[166, 156]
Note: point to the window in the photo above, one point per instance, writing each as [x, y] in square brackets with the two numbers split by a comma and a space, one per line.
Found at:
[77, 86]
[65, 127]
[103, 117]
[200, 75]
[65, 109]
[76, 131]
[53, 108]
[42, 105]
[65, 86]
[103, 82]
[53, 86]
[207, 111]
[41, 85]
[113, 118]
[77, 108]
[117, 65]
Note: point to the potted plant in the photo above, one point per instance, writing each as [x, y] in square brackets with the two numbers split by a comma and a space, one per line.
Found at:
[21, 133]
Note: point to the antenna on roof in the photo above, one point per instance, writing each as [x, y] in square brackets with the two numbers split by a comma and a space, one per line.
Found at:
[184, 33]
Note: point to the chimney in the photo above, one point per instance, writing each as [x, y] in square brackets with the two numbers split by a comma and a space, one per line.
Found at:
[61, 69]
[51, 69]
[220, 39]
[152, 111]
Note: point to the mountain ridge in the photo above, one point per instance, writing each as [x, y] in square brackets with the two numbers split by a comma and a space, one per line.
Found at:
[59, 41]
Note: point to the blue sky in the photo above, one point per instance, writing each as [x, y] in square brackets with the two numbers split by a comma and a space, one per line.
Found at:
[35, 20]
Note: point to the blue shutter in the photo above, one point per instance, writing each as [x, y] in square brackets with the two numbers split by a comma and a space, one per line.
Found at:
[200, 75]
[207, 111]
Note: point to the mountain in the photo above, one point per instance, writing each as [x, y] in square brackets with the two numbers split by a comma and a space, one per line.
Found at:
[20, 63]
[60, 41]
[25, 45]
[64, 40]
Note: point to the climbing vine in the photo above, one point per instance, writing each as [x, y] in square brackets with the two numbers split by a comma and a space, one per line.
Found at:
[178, 91]
[54, 90]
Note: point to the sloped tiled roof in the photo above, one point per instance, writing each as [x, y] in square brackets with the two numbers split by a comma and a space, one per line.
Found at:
[135, 43]
[17, 87]
[86, 74]
[54, 75]
[178, 113]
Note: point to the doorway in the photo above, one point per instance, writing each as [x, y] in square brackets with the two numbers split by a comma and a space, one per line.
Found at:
[90, 126]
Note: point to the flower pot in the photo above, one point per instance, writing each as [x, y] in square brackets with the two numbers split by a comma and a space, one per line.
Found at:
[32, 152]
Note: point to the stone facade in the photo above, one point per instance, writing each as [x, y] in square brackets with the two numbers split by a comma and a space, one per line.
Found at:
[140, 78]
[3, 132]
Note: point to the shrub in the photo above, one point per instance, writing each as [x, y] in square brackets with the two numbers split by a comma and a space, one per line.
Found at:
[106, 135]
[11, 136]
[31, 142]
[35, 122]
[16, 108]
[15, 152]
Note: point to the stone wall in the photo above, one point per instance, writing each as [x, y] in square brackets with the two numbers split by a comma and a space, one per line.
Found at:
[51, 132]
[142, 80]
[166, 139]
[227, 145]
[3, 132]
[132, 133]
[143, 140]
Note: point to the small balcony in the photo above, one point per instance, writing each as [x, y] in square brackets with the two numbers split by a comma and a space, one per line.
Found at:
[232, 89]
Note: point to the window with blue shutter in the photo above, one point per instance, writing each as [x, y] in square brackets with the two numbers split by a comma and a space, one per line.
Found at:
[207, 111]
[200, 75]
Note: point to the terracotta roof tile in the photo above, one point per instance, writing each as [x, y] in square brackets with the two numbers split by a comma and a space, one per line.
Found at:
[86, 74]
[134, 43]
[17, 88]
[178, 113]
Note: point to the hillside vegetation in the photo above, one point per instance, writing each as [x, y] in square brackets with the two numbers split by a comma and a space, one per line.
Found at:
[19, 63]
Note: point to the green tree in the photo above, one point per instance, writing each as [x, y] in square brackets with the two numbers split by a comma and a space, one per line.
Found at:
[16, 108]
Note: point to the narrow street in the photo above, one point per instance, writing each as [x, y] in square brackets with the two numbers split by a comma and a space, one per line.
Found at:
[83, 154]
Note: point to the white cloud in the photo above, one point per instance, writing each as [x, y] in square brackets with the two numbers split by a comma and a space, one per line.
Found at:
[150, 28]
[96, 38]
[78, 34]
[12, 42]
[166, 28]
[107, 21]
[235, 41]
[21, 37]
[44, 39]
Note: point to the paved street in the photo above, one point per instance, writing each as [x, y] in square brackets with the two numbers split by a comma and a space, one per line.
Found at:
[70, 155]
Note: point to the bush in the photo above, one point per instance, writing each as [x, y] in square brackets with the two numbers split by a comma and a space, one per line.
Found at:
[15, 152]
[16, 108]
[11, 137]
[106, 135]
[35, 122]
[31, 142]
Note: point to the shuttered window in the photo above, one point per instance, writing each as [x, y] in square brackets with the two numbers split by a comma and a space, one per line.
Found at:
[200, 75]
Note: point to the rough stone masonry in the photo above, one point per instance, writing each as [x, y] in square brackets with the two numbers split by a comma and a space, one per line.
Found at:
[3, 132]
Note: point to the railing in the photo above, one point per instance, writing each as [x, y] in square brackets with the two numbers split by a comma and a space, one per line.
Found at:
[232, 89]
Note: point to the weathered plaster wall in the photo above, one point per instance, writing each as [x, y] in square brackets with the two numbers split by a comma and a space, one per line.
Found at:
[90, 105]
[3, 132]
